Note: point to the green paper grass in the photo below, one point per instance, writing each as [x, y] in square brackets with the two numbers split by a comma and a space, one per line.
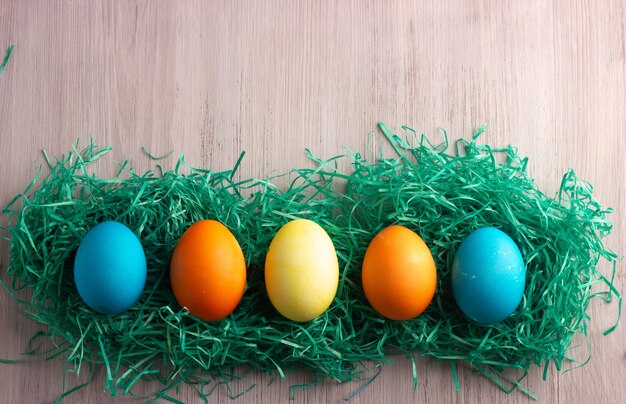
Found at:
[6, 59]
[442, 192]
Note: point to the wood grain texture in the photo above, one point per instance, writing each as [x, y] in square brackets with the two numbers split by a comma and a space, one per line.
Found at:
[210, 79]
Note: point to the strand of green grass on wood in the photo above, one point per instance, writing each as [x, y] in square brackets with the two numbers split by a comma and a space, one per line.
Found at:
[153, 157]
[6, 59]
[443, 193]
[364, 386]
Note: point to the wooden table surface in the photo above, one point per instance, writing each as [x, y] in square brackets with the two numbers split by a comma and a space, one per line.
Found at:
[210, 79]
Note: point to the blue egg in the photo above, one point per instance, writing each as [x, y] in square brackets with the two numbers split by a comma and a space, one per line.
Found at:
[110, 268]
[488, 276]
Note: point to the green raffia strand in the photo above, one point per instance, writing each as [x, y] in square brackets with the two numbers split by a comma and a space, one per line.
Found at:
[441, 192]
[6, 59]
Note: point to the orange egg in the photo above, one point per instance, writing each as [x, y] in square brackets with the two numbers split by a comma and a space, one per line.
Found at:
[399, 275]
[208, 271]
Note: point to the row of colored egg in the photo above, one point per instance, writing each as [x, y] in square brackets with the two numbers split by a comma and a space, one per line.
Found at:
[208, 272]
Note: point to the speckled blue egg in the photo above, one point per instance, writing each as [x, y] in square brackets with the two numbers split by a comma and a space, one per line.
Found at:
[488, 276]
[110, 268]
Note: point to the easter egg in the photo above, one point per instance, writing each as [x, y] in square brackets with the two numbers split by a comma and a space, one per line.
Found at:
[208, 271]
[398, 275]
[110, 268]
[488, 276]
[301, 270]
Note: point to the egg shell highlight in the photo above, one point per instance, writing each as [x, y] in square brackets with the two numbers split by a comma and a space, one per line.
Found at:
[488, 276]
[301, 270]
[110, 268]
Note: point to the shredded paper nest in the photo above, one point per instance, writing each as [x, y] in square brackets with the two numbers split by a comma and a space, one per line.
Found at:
[442, 192]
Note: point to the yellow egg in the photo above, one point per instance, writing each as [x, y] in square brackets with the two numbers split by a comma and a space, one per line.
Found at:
[301, 270]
